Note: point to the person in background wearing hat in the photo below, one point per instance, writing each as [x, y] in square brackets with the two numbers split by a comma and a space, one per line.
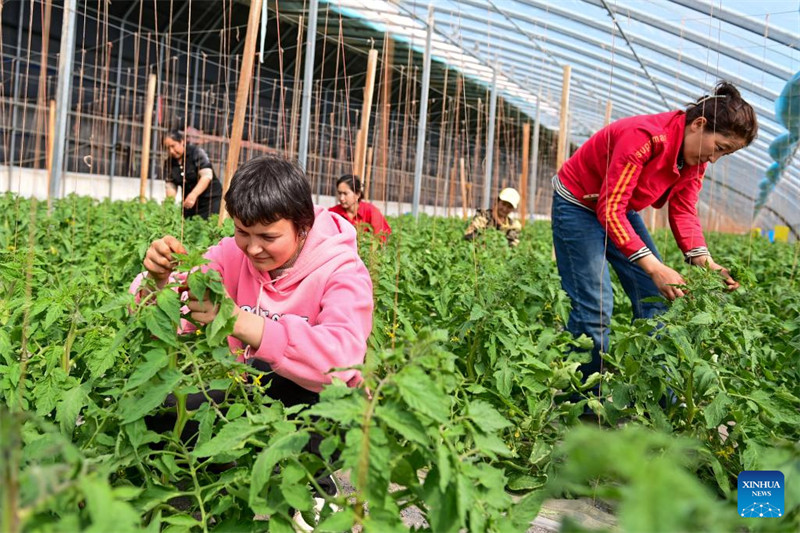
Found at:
[499, 217]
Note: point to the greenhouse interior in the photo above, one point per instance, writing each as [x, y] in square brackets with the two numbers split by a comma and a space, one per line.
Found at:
[350, 265]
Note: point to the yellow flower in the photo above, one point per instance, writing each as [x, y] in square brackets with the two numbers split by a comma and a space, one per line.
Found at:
[198, 331]
[257, 380]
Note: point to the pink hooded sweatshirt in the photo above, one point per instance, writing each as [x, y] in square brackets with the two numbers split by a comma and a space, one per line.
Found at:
[319, 312]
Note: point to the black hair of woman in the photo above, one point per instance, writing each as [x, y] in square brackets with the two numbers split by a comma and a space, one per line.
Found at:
[176, 135]
[352, 181]
[269, 188]
[725, 112]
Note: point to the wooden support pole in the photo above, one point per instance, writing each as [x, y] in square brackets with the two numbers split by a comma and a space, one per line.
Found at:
[523, 179]
[146, 134]
[41, 95]
[386, 111]
[367, 173]
[464, 199]
[51, 135]
[609, 106]
[242, 91]
[366, 109]
[562, 126]
[296, 94]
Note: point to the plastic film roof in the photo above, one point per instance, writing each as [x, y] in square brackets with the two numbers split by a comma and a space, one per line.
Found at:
[642, 56]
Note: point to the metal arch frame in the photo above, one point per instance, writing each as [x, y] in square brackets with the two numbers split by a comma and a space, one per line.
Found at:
[647, 43]
[741, 21]
[754, 159]
[656, 48]
[601, 62]
[694, 37]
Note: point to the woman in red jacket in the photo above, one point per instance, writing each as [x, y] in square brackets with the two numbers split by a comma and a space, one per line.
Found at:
[361, 214]
[631, 164]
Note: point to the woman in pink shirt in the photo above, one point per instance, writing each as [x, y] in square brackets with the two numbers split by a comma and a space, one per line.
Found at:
[303, 295]
[358, 212]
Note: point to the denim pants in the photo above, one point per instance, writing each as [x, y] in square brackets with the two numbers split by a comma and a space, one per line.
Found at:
[583, 252]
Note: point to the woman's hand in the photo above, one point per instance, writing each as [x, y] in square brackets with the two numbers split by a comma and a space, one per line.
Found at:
[663, 276]
[705, 260]
[189, 201]
[159, 262]
[248, 327]
[202, 311]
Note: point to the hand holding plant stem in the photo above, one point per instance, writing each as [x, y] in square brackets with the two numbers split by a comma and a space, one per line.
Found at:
[159, 260]
[666, 279]
[707, 261]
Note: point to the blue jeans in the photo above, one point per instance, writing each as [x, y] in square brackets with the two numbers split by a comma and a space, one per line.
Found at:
[583, 252]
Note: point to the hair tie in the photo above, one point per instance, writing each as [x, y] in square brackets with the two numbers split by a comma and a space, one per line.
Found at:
[709, 98]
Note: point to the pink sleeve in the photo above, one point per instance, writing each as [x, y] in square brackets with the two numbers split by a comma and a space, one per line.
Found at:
[306, 353]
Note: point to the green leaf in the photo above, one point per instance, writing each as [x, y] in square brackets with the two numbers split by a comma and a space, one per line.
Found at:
[421, 393]
[279, 448]
[67, 410]
[702, 319]
[182, 520]
[136, 407]
[168, 301]
[477, 313]
[161, 325]
[338, 522]
[231, 437]
[525, 482]
[444, 466]
[295, 489]
[491, 445]
[222, 325]
[154, 360]
[486, 417]
[403, 422]
[716, 410]
[504, 378]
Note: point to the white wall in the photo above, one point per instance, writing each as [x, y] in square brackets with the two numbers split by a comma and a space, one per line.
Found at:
[29, 182]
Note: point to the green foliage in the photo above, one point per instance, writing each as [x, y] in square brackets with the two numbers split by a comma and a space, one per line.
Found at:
[467, 399]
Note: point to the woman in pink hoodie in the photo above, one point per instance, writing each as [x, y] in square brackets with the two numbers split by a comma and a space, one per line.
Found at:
[303, 295]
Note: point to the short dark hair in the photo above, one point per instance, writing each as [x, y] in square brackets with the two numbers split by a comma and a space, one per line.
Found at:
[270, 188]
[727, 113]
[352, 181]
[175, 135]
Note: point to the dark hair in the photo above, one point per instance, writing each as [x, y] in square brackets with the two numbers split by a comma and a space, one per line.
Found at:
[726, 112]
[175, 135]
[269, 188]
[352, 181]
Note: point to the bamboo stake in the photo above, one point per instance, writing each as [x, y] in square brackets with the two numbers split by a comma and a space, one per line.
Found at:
[51, 132]
[241, 100]
[386, 109]
[464, 199]
[146, 135]
[367, 173]
[523, 179]
[296, 90]
[609, 105]
[562, 128]
[366, 108]
[41, 95]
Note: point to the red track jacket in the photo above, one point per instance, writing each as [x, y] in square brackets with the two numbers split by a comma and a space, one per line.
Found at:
[631, 164]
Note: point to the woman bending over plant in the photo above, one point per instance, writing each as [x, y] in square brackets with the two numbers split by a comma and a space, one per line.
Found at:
[303, 297]
[636, 162]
